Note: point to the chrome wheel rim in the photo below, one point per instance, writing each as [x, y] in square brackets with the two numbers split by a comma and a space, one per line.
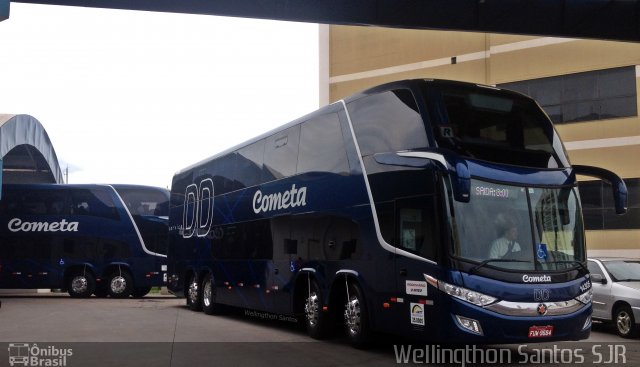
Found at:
[193, 291]
[312, 309]
[623, 322]
[118, 284]
[206, 291]
[79, 284]
[352, 315]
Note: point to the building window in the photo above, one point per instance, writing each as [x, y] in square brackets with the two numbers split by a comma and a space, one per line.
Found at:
[598, 207]
[593, 95]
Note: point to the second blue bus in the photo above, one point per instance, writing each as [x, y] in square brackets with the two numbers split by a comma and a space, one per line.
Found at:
[107, 240]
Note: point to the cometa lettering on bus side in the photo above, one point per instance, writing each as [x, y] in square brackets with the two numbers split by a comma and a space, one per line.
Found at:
[17, 225]
[280, 200]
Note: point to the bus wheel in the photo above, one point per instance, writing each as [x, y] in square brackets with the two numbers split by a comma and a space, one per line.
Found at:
[194, 295]
[209, 305]
[81, 285]
[141, 292]
[317, 321]
[120, 284]
[355, 317]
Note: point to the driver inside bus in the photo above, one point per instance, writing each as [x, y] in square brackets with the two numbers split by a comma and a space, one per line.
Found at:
[506, 245]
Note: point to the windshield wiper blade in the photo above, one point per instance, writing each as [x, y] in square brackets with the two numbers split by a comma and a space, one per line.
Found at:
[580, 265]
[485, 262]
[628, 280]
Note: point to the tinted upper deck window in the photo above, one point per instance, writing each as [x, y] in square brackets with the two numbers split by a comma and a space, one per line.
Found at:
[250, 164]
[93, 202]
[495, 126]
[321, 146]
[387, 122]
[34, 202]
[281, 153]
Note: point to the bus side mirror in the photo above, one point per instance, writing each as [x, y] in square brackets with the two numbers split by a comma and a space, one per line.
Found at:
[618, 186]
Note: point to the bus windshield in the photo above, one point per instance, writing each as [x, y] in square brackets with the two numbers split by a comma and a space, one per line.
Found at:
[149, 208]
[520, 228]
[145, 201]
[492, 125]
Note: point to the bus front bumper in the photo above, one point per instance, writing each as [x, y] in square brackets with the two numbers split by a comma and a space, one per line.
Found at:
[473, 324]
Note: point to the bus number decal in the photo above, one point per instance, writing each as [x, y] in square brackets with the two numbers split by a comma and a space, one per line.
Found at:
[197, 215]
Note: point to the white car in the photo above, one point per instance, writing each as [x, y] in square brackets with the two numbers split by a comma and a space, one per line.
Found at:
[616, 293]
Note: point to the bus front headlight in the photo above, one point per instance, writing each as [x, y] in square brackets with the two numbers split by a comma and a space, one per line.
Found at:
[467, 295]
[585, 297]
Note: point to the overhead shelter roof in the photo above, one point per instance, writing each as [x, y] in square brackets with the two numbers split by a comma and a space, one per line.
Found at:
[26, 151]
[4, 10]
[600, 19]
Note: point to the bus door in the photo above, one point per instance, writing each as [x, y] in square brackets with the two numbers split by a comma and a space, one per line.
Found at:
[417, 241]
[284, 266]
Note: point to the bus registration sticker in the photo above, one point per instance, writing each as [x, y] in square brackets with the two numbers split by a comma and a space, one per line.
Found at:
[417, 314]
[416, 287]
[540, 331]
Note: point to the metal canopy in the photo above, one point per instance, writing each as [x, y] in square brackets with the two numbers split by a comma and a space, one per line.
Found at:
[26, 152]
[599, 19]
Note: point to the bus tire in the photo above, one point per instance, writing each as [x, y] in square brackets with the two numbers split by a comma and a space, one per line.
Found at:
[119, 284]
[317, 321]
[356, 320]
[194, 294]
[209, 305]
[81, 284]
[140, 292]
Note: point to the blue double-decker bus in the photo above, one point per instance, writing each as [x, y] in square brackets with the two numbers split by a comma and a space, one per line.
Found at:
[430, 209]
[107, 240]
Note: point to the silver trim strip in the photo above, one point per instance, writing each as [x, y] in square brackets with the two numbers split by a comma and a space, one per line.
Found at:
[311, 270]
[144, 247]
[427, 155]
[381, 240]
[529, 309]
[347, 271]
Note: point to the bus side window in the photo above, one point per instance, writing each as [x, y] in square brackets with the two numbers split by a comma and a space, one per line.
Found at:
[388, 122]
[281, 153]
[322, 147]
[416, 226]
[95, 202]
[249, 163]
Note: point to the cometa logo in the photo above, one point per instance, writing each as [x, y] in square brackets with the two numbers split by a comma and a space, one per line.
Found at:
[17, 225]
[536, 278]
[280, 200]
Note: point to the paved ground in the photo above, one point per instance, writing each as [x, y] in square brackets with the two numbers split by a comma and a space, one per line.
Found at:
[161, 331]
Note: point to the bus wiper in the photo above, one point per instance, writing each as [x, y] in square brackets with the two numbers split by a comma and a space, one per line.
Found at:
[628, 280]
[485, 262]
[580, 265]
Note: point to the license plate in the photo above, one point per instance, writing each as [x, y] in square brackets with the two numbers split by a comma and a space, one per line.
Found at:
[540, 331]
